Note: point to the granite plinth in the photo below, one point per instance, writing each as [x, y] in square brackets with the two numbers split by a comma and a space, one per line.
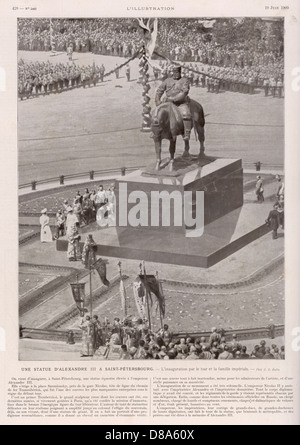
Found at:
[228, 225]
[221, 181]
[220, 239]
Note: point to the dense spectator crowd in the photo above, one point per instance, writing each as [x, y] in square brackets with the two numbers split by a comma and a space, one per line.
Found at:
[84, 208]
[137, 342]
[101, 36]
[241, 67]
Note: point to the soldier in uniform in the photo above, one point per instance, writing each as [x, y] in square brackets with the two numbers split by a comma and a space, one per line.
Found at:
[266, 87]
[191, 77]
[208, 84]
[217, 85]
[128, 73]
[177, 90]
[83, 78]
[273, 221]
[45, 84]
[50, 82]
[251, 84]
[273, 86]
[117, 71]
[102, 72]
[95, 77]
[279, 88]
[70, 52]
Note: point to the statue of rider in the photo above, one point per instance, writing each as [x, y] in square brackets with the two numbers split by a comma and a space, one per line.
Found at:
[177, 90]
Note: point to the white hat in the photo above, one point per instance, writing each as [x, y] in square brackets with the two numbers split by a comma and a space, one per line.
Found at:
[69, 209]
[44, 211]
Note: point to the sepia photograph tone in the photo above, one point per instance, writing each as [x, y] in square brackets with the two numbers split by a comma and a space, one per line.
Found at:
[151, 189]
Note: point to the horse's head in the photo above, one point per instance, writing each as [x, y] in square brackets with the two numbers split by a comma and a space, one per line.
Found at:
[160, 120]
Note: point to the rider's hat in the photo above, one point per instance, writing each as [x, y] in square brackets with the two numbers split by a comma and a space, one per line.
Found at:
[177, 69]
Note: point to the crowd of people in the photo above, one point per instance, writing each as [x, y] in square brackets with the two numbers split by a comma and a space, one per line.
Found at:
[100, 36]
[275, 218]
[83, 210]
[235, 66]
[42, 78]
[137, 342]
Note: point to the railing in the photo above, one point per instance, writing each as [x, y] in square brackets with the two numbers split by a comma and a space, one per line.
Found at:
[90, 176]
[271, 332]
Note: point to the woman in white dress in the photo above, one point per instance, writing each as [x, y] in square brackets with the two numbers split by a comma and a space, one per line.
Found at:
[46, 234]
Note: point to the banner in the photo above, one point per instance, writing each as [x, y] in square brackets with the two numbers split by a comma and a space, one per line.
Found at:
[139, 293]
[123, 297]
[78, 290]
[155, 287]
[100, 267]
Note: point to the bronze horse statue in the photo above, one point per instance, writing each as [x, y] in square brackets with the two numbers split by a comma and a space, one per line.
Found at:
[167, 123]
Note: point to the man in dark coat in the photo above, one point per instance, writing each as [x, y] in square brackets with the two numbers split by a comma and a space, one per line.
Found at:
[273, 221]
[177, 90]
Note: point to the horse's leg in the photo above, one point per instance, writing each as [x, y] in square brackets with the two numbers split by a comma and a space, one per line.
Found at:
[186, 153]
[172, 153]
[158, 154]
[201, 135]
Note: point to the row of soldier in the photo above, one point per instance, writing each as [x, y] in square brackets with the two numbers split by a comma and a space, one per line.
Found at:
[40, 77]
[216, 79]
[45, 78]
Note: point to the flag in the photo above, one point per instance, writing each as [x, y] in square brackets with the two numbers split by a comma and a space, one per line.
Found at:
[78, 290]
[100, 267]
[139, 293]
[155, 287]
[161, 299]
[123, 297]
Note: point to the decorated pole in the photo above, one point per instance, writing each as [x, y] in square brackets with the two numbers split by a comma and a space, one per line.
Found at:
[144, 78]
[160, 313]
[122, 291]
[147, 296]
[91, 291]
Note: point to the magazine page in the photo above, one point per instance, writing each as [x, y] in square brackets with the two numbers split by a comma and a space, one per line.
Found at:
[149, 176]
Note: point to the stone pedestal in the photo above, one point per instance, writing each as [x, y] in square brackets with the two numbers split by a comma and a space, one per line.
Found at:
[220, 180]
[228, 225]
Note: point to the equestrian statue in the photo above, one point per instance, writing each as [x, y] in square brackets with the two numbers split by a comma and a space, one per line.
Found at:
[176, 116]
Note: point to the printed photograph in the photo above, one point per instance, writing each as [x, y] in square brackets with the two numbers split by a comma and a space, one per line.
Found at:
[151, 189]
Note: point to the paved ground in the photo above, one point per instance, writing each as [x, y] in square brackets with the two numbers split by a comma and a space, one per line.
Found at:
[251, 306]
[98, 128]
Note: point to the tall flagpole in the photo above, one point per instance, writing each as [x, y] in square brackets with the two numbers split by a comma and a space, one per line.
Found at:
[91, 292]
[160, 313]
[122, 291]
[147, 296]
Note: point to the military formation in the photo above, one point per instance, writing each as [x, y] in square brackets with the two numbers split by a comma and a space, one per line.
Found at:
[215, 79]
[36, 78]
